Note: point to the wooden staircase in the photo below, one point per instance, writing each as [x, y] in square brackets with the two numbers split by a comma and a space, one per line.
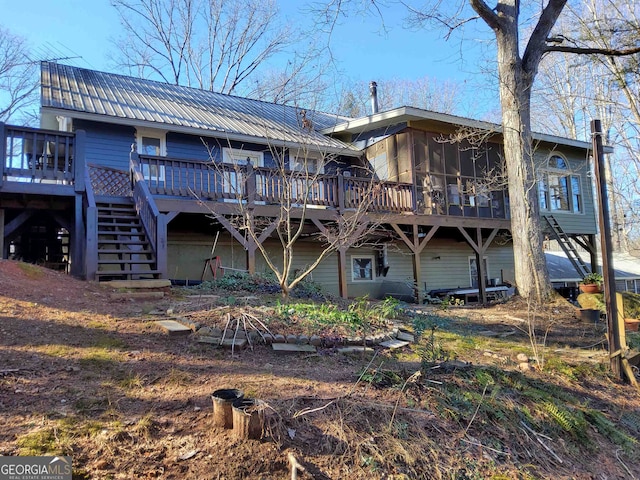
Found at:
[565, 243]
[124, 250]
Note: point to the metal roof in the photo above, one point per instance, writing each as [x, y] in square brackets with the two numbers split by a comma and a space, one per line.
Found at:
[626, 267]
[394, 116]
[121, 99]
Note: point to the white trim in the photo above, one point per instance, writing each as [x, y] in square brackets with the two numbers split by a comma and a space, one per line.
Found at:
[298, 159]
[372, 269]
[161, 135]
[235, 155]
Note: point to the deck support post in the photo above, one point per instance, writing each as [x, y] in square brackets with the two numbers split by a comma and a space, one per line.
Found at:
[3, 153]
[2, 252]
[479, 246]
[342, 272]
[416, 245]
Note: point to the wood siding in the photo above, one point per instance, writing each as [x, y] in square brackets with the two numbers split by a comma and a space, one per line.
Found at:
[107, 144]
[584, 222]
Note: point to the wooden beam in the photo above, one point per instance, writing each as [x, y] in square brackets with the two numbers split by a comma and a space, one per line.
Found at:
[489, 239]
[404, 237]
[342, 272]
[11, 227]
[2, 254]
[232, 230]
[469, 240]
[428, 237]
[169, 216]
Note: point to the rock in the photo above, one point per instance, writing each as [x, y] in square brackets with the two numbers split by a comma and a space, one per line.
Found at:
[278, 338]
[268, 338]
[521, 357]
[207, 331]
[315, 340]
[173, 328]
[524, 366]
[302, 340]
[292, 338]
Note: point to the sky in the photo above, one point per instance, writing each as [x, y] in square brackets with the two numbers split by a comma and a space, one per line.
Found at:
[363, 47]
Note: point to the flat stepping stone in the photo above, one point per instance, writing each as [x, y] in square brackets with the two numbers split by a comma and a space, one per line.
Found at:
[394, 343]
[173, 328]
[293, 348]
[239, 343]
[346, 350]
[135, 295]
[156, 283]
[407, 337]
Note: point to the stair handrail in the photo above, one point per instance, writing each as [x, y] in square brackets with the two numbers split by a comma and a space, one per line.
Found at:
[143, 200]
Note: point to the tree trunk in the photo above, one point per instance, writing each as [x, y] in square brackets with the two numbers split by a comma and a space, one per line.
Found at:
[532, 277]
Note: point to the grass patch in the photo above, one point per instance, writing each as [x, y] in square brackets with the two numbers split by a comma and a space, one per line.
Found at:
[30, 270]
[109, 343]
[56, 350]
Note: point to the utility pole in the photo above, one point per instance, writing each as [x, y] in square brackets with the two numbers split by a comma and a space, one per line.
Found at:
[615, 323]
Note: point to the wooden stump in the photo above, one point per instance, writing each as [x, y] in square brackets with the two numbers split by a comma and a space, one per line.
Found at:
[248, 418]
[222, 406]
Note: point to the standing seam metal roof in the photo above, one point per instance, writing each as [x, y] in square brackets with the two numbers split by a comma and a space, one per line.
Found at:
[87, 91]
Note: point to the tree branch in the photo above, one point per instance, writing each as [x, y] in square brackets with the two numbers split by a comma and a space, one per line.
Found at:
[608, 52]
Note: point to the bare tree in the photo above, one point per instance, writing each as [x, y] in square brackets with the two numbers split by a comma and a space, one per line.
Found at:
[295, 187]
[218, 45]
[425, 92]
[18, 80]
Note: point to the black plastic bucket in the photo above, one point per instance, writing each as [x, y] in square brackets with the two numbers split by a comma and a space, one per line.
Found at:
[222, 404]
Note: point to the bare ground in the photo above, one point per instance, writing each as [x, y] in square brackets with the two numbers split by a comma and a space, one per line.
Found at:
[84, 375]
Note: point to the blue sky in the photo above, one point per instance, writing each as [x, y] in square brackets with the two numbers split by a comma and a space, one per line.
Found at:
[364, 52]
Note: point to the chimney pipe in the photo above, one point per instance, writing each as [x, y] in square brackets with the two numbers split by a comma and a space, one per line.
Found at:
[373, 91]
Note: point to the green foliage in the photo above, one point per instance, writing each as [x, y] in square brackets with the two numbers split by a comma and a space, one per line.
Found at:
[609, 429]
[265, 283]
[592, 278]
[432, 351]
[359, 316]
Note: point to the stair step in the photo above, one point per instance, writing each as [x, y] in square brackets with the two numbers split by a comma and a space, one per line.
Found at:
[124, 215]
[125, 262]
[112, 210]
[124, 251]
[126, 273]
[121, 232]
[133, 223]
[102, 242]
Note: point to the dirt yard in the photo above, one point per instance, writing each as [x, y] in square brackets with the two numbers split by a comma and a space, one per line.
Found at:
[85, 375]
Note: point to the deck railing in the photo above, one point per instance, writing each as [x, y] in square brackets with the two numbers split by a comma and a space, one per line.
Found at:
[204, 180]
[38, 156]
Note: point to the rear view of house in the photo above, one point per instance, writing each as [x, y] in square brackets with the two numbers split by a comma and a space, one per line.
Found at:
[131, 178]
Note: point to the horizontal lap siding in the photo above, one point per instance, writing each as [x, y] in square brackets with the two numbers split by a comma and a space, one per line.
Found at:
[187, 253]
[191, 147]
[106, 144]
[445, 264]
[584, 222]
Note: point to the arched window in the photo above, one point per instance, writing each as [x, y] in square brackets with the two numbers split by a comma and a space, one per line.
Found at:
[559, 188]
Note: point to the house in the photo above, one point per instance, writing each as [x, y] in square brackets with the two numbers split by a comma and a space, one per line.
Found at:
[123, 177]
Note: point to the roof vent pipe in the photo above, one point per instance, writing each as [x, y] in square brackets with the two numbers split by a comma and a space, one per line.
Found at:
[373, 90]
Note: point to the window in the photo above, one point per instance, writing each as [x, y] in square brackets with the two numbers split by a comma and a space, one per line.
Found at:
[232, 178]
[559, 189]
[305, 186]
[362, 268]
[473, 271]
[153, 143]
